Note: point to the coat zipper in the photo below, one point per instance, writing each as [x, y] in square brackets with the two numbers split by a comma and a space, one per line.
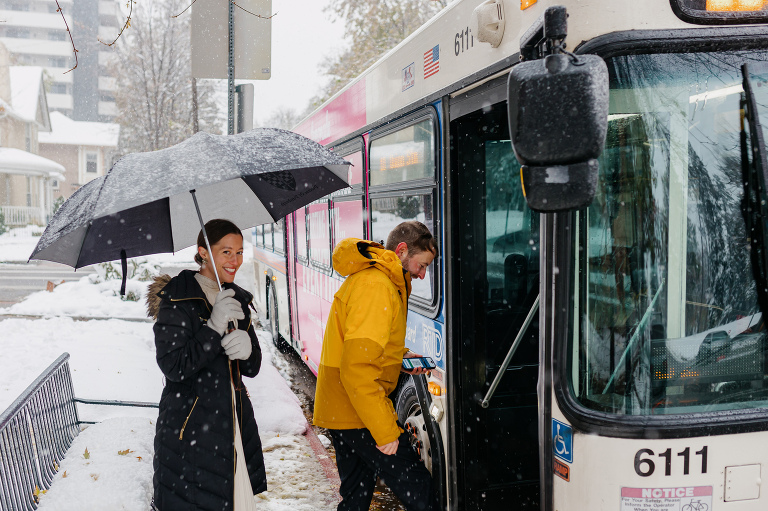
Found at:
[234, 434]
[181, 434]
[192, 298]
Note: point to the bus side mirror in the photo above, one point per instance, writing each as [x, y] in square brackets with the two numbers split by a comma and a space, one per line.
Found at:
[558, 119]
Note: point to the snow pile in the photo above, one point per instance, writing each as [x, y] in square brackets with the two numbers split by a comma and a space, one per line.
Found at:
[84, 298]
[108, 466]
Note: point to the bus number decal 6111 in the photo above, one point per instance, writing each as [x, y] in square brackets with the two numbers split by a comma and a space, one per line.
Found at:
[645, 466]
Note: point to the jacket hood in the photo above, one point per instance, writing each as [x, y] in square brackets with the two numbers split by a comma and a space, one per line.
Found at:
[183, 285]
[153, 296]
[352, 255]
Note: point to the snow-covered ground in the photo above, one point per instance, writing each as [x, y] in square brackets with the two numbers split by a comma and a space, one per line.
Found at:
[17, 244]
[115, 359]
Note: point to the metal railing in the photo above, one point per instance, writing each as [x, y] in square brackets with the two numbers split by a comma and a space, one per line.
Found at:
[35, 433]
[18, 216]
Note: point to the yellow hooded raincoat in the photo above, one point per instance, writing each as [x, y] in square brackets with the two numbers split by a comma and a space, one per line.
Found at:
[364, 341]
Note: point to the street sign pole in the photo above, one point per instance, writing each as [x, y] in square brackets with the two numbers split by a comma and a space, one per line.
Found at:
[231, 71]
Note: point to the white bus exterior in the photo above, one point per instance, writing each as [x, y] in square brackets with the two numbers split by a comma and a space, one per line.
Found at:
[640, 383]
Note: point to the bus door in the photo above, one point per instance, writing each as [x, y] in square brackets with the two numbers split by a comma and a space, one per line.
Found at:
[496, 283]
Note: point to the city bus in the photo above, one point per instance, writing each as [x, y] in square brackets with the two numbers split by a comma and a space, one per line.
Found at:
[610, 356]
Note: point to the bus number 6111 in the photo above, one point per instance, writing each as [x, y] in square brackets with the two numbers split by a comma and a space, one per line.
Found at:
[644, 465]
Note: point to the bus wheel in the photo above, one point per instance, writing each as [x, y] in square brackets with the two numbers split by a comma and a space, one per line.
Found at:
[411, 417]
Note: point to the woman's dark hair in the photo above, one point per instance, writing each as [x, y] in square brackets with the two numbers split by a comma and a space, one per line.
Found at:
[216, 229]
[414, 234]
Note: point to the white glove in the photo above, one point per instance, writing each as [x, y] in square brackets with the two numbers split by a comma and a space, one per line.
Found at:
[226, 309]
[237, 345]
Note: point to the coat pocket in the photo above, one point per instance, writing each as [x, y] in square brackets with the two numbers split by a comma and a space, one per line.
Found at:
[183, 427]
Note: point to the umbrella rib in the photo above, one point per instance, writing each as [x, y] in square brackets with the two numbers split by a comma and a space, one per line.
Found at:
[85, 237]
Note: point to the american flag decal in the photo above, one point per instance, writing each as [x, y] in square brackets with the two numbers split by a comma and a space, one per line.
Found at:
[432, 61]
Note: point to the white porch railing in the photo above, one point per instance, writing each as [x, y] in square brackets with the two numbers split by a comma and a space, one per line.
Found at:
[19, 216]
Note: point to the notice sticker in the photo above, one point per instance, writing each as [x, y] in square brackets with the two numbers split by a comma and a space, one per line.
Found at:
[686, 498]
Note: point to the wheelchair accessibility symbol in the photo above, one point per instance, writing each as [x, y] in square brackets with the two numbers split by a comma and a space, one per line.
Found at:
[562, 441]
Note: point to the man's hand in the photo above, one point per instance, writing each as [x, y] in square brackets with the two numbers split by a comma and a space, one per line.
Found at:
[390, 448]
[416, 371]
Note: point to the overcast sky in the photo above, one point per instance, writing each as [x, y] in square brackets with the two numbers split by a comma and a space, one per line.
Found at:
[302, 35]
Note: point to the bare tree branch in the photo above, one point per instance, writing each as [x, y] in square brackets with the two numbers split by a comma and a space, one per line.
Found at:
[185, 10]
[233, 3]
[125, 25]
[252, 13]
[74, 50]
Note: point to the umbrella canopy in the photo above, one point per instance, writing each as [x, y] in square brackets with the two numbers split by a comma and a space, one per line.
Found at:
[143, 205]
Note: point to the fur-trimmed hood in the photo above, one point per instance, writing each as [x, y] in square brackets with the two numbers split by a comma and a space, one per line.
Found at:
[153, 294]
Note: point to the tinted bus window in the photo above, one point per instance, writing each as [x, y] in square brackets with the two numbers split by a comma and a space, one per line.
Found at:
[388, 212]
[319, 235]
[301, 235]
[268, 235]
[278, 233]
[405, 155]
[258, 238]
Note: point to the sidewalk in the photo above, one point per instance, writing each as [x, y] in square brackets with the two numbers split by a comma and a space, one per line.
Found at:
[109, 466]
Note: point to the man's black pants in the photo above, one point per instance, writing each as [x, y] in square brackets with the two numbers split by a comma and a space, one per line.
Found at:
[360, 463]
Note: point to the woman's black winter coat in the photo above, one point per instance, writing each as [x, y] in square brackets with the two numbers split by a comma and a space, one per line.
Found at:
[194, 442]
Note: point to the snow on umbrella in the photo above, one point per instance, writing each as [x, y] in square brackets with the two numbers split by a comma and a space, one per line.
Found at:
[148, 202]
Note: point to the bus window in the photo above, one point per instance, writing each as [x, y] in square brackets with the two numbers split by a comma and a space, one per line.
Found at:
[301, 235]
[512, 234]
[268, 236]
[258, 239]
[667, 318]
[355, 174]
[388, 212]
[319, 235]
[347, 219]
[405, 155]
[278, 232]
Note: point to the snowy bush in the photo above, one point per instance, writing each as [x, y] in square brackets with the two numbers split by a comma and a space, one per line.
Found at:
[3, 227]
[57, 203]
[139, 269]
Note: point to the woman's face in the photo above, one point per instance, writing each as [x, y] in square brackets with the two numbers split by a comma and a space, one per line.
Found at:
[228, 256]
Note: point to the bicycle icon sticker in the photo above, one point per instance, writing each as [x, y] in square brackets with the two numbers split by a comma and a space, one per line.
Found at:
[687, 498]
[562, 440]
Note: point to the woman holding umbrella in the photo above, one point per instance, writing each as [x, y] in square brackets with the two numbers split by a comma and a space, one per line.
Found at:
[207, 448]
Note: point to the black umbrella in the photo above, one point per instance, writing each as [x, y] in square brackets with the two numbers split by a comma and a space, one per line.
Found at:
[148, 203]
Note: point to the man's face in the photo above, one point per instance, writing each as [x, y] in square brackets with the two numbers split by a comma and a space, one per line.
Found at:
[416, 264]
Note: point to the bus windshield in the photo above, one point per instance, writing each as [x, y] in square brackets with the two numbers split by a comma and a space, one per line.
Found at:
[666, 319]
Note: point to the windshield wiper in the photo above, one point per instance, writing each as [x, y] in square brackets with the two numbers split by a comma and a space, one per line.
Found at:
[754, 207]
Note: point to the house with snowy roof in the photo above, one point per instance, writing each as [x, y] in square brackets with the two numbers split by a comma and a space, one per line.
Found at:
[86, 150]
[26, 178]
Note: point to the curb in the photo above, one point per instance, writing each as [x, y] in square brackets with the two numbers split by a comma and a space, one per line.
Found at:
[329, 467]
[75, 318]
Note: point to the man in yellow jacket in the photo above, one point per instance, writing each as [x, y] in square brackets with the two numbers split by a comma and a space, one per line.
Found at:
[360, 364]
